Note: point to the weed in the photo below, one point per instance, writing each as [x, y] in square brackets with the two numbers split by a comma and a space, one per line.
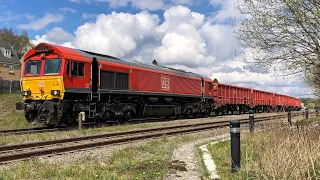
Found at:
[276, 154]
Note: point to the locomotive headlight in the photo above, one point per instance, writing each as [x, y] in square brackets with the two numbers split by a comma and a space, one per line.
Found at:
[26, 93]
[55, 92]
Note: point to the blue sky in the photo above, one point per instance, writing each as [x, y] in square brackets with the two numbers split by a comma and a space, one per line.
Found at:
[17, 12]
[193, 35]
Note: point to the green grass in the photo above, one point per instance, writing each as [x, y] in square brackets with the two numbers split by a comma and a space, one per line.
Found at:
[304, 122]
[10, 118]
[149, 160]
[273, 154]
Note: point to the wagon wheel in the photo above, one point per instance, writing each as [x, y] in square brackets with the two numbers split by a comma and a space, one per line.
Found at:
[216, 112]
[208, 113]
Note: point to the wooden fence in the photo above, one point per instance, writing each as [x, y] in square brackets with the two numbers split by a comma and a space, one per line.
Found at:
[7, 87]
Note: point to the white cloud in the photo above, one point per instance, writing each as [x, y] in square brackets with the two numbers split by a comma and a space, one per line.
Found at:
[227, 10]
[144, 4]
[220, 40]
[67, 9]
[181, 39]
[116, 34]
[55, 36]
[59, 35]
[140, 4]
[185, 40]
[75, 1]
[184, 46]
[42, 22]
[29, 16]
[178, 15]
[148, 4]
[8, 16]
[180, 2]
[116, 3]
[89, 16]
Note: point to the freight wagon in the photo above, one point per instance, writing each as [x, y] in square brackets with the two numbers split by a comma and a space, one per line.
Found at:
[229, 98]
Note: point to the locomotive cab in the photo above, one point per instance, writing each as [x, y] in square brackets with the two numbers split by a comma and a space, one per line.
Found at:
[42, 86]
[42, 79]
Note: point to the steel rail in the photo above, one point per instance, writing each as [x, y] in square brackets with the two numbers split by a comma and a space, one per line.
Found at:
[48, 129]
[105, 135]
[152, 133]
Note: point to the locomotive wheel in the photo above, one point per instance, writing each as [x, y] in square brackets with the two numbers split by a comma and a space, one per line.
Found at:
[126, 117]
[30, 116]
[188, 113]
[50, 125]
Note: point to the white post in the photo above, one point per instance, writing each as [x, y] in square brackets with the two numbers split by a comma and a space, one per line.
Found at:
[10, 87]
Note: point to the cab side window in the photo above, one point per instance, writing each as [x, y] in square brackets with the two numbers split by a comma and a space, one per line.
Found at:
[77, 68]
[210, 85]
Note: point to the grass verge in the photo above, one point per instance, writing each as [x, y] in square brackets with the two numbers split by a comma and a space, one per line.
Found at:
[275, 154]
[10, 118]
[148, 160]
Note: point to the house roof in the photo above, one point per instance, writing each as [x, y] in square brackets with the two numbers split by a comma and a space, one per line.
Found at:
[4, 44]
[3, 59]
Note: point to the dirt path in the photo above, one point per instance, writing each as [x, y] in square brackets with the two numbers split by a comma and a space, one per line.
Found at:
[185, 161]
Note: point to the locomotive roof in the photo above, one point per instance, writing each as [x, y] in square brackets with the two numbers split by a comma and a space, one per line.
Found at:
[108, 58]
[66, 51]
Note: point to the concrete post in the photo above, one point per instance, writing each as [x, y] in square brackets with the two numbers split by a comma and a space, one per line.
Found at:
[307, 113]
[251, 121]
[289, 118]
[81, 117]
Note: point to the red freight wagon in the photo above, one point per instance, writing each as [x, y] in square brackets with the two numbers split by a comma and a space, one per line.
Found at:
[229, 98]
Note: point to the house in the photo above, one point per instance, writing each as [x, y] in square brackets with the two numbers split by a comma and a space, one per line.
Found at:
[10, 66]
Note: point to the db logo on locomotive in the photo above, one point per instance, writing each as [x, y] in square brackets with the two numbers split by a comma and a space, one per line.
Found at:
[165, 83]
[41, 84]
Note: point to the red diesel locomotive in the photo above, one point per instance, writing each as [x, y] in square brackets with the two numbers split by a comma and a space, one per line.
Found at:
[59, 82]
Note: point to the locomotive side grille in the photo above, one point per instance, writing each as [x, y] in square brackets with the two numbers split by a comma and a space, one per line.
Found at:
[114, 80]
[107, 80]
[122, 81]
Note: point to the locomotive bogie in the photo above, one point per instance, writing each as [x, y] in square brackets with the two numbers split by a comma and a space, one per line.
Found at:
[44, 112]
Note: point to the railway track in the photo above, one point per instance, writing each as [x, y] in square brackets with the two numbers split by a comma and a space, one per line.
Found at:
[47, 129]
[9, 153]
[31, 130]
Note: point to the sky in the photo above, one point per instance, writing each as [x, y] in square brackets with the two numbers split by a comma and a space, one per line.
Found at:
[192, 35]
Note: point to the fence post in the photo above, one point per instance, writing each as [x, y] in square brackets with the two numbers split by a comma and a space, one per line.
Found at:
[81, 117]
[10, 90]
[251, 120]
[307, 113]
[235, 145]
[289, 117]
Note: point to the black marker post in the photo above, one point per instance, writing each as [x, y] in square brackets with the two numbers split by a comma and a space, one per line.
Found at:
[235, 145]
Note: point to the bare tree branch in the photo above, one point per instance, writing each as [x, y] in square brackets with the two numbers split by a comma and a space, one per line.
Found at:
[284, 37]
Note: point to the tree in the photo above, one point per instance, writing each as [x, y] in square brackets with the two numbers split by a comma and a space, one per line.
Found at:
[154, 62]
[19, 43]
[282, 36]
